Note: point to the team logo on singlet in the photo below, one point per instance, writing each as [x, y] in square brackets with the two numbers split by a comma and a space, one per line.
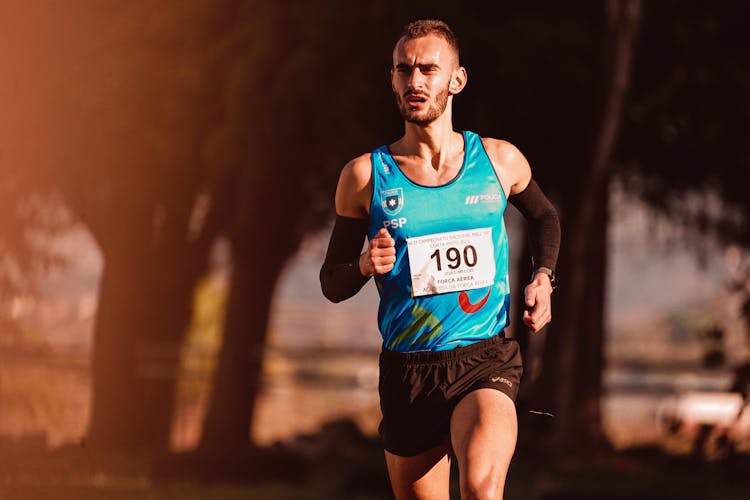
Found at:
[392, 200]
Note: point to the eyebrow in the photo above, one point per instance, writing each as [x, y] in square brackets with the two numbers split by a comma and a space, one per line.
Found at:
[425, 66]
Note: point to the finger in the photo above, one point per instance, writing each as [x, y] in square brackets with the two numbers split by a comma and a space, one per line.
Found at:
[377, 252]
[536, 320]
[383, 233]
[527, 318]
[530, 296]
[383, 265]
[382, 242]
[538, 314]
[534, 327]
[383, 269]
[384, 259]
[544, 321]
[383, 255]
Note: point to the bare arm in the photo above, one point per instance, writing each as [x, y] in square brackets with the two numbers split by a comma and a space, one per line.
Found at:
[354, 190]
[510, 165]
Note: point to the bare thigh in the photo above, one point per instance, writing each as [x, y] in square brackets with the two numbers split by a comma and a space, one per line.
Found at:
[423, 476]
[483, 434]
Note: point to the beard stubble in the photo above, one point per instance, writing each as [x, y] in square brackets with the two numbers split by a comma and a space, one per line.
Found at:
[431, 114]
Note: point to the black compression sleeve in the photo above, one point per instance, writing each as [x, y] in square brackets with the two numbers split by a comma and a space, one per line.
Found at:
[544, 225]
[340, 277]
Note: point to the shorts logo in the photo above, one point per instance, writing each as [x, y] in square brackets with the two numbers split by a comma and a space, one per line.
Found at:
[502, 380]
[392, 200]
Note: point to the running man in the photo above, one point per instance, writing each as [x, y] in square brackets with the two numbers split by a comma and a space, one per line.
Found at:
[431, 205]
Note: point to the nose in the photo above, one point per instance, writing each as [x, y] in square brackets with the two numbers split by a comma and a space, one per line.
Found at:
[416, 79]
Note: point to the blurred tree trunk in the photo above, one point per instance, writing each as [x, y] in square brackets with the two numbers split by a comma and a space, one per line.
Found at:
[587, 372]
[261, 245]
[239, 372]
[155, 207]
[578, 341]
[145, 307]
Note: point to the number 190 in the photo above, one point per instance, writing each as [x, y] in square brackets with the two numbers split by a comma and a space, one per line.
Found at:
[453, 256]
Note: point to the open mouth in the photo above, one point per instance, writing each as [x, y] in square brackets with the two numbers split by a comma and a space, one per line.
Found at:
[415, 99]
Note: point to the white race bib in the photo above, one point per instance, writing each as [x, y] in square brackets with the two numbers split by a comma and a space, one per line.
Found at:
[450, 262]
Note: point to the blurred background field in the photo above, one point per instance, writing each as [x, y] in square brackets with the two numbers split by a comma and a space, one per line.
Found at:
[321, 362]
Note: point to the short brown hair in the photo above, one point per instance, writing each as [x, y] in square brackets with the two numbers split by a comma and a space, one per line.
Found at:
[424, 27]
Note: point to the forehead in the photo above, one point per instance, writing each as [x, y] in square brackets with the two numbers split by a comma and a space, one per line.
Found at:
[428, 49]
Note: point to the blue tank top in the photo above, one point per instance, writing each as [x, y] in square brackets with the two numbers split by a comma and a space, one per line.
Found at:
[455, 236]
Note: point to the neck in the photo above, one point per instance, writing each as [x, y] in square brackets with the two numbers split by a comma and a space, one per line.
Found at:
[433, 142]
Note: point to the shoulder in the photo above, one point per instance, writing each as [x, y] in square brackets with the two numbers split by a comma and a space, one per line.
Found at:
[354, 189]
[511, 165]
[505, 153]
[358, 171]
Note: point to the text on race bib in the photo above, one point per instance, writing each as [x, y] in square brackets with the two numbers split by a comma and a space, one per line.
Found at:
[451, 262]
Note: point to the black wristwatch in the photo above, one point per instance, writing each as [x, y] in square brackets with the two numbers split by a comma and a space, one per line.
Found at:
[545, 270]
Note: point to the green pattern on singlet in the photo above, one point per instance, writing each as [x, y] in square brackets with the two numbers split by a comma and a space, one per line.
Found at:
[422, 318]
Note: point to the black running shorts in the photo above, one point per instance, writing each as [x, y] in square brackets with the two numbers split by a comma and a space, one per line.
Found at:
[419, 390]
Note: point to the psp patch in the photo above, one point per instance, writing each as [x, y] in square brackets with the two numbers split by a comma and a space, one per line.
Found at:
[392, 200]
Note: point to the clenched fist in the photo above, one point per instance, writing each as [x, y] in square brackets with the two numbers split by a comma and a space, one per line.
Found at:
[538, 302]
[379, 256]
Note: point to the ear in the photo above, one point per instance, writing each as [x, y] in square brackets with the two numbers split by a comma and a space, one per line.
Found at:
[458, 81]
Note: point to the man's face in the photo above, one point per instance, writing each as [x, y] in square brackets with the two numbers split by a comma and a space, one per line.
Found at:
[423, 71]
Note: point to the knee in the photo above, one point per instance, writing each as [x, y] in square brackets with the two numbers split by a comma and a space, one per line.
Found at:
[486, 487]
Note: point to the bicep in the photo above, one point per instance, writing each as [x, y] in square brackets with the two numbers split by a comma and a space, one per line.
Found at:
[353, 191]
[521, 175]
[519, 170]
[510, 164]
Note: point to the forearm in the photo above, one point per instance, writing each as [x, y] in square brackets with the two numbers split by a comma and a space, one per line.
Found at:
[543, 225]
[340, 275]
